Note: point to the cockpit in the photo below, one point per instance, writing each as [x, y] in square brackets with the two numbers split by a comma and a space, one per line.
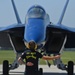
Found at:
[36, 12]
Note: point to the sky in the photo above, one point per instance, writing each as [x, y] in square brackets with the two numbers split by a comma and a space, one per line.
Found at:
[52, 7]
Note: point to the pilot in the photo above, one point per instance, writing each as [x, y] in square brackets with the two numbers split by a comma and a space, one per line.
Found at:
[31, 57]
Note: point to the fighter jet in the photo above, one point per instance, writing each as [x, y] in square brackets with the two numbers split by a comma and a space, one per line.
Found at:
[50, 38]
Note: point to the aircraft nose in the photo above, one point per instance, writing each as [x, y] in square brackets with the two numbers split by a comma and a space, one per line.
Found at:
[35, 30]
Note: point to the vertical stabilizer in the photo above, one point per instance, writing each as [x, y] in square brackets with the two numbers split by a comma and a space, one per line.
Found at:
[63, 12]
[16, 12]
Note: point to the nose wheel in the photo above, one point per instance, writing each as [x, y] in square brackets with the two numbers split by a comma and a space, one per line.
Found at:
[5, 67]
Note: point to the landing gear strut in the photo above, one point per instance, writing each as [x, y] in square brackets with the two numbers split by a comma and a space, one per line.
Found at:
[69, 68]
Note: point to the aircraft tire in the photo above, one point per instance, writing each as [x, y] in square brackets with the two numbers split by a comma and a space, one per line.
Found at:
[40, 71]
[70, 68]
[5, 67]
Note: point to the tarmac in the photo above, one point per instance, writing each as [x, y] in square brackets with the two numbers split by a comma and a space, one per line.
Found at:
[53, 70]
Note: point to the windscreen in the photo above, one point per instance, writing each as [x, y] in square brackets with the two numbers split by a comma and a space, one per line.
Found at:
[36, 13]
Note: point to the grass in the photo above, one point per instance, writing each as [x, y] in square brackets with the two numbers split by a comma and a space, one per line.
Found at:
[7, 55]
[10, 56]
[66, 56]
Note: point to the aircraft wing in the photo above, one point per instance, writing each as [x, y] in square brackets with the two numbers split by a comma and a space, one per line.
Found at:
[60, 35]
[65, 31]
[12, 36]
[11, 26]
[62, 27]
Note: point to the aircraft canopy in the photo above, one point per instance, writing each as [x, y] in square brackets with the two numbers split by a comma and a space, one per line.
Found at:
[36, 12]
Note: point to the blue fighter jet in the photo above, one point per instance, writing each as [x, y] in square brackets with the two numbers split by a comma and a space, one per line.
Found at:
[50, 38]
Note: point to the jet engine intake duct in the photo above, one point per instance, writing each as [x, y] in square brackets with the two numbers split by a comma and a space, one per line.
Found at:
[55, 42]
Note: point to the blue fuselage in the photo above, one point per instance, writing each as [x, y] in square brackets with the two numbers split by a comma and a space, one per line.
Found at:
[36, 23]
[35, 30]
